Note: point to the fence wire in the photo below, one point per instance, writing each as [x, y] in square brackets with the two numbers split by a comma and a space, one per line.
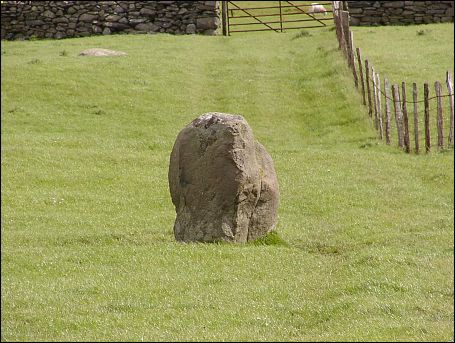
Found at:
[379, 115]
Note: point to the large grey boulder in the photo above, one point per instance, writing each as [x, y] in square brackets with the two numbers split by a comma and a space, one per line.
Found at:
[222, 181]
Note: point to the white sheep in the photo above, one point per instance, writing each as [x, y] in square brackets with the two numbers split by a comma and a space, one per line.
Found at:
[317, 8]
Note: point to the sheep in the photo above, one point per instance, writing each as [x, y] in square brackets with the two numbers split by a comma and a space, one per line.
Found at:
[317, 8]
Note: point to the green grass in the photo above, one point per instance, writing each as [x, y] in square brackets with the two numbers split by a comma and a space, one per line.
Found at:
[364, 249]
[415, 53]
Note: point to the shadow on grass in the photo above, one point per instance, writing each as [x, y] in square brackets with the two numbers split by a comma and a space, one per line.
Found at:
[103, 239]
[272, 238]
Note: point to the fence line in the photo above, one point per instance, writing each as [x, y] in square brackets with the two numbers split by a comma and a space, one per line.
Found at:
[367, 77]
[416, 118]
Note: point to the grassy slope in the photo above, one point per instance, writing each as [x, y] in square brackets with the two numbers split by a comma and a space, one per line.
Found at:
[87, 245]
[418, 53]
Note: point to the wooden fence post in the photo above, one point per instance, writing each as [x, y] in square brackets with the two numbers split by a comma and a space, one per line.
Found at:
[344, 5]
[367, 81]
[375, 102]
[342, 34]
[405, 118]
[387, 110]
[398, 115]
[426, 102]
[224, 17]
[439, 122]
[347, 37]
[378, 92]
[451, 100]
[416, 117]
[362, 81]
[354, 72]
[336, 19]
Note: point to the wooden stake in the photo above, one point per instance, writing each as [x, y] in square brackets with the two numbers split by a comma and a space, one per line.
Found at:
[439, 122]
[367, 81]
[387, 111]
[416, 117]
[224, 17]
[354, 72]
[336, 19]
[344, 22]
[451, 99]
[405, 118]
[378, 97]
[373, 80]
[362, 81]
[426, 102]
[398, 114]
[347, 36]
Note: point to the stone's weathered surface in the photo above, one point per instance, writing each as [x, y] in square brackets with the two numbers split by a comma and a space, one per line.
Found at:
[147, 27]
[101, 52]
[191, 28]
[367, 13]
[88, 18]
[48, 14]
[147, 12]
[59, 35]
[222, 182]
[207, 23]
[84, 18]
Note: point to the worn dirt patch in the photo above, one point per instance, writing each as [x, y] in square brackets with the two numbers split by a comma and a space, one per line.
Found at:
[101, 52]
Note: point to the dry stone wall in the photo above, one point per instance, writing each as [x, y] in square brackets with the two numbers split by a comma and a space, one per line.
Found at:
[62, 19]
[368, 13]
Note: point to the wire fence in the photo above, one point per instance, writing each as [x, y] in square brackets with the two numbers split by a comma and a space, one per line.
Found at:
[388, 103]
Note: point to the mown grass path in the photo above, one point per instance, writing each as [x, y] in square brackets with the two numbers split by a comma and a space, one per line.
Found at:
[87, 245]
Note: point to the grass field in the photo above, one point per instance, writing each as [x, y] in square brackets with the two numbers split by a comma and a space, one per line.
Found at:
[417, 53]
[87, 248]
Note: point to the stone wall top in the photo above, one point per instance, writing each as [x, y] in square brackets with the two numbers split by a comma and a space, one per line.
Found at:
[61, 19]
[367, 13]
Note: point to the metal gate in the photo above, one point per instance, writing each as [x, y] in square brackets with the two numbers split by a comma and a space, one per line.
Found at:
[278, 16]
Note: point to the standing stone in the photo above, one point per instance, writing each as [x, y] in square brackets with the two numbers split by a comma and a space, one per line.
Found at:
[222, 182]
